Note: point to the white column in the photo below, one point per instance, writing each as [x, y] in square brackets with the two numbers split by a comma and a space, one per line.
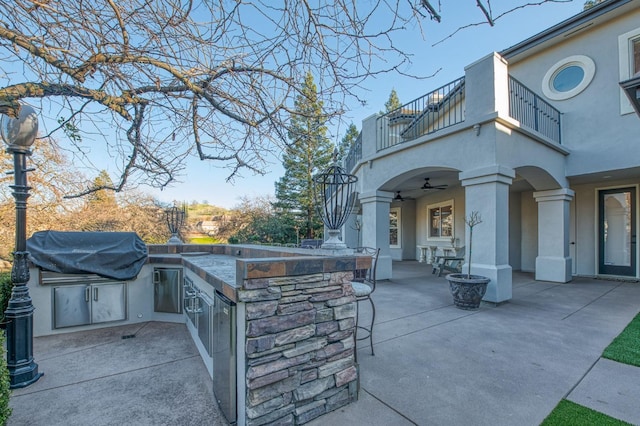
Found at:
[553, 262]
[487, 89]
[487, 192]
[375, 228]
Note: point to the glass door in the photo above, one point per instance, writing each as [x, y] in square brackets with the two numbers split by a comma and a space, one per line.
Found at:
[617, 230]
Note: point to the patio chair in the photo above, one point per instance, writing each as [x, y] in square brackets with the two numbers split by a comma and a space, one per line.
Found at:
[364, 284]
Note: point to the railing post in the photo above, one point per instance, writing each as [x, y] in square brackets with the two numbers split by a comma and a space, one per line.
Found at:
[535, 113]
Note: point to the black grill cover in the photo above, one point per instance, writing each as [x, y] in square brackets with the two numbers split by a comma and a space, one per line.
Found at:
[115, 255]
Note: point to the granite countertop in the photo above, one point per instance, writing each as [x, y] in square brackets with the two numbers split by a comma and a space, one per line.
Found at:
[227, 270]
[221, 266]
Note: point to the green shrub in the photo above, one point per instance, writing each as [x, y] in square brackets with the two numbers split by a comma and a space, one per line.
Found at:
[5, 292]
[5, 393]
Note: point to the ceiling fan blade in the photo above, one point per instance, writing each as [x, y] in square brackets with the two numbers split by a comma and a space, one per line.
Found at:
[427, 185]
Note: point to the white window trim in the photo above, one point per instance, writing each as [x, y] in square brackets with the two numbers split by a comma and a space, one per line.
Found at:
[399, 212]
[625, 57]
[453, 222]
[584, 62]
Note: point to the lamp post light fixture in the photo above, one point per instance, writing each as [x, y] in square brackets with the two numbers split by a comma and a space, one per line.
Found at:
[175, 220]
[335, 192]
[19, 134]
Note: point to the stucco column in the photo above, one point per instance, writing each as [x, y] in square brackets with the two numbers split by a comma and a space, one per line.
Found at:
[375, 228]
[487, 192]
[487, 89]
[553, 262]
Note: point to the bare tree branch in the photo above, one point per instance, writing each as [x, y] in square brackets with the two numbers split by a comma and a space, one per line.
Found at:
[491, 21]
[152, 83]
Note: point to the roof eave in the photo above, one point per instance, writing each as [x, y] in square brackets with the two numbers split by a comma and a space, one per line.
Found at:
[568, 26]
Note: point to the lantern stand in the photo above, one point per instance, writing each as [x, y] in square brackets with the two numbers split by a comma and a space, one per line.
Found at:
[175, 221]
[335, 192]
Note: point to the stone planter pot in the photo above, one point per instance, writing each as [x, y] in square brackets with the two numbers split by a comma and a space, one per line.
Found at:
[467, 291]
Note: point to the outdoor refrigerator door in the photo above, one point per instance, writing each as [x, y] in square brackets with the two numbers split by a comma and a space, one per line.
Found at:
[224, 356]
[167, 290]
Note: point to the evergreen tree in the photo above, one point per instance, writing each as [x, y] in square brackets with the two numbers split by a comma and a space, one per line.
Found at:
[309, 152]
[393, 102]
[103, 197]
[101, 207]
[347, 141]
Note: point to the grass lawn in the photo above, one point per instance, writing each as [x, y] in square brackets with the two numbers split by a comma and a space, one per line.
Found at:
[203, 240]
[626, 347]
[569, 413]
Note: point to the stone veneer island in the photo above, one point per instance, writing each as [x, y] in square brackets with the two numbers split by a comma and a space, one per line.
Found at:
[296, 316]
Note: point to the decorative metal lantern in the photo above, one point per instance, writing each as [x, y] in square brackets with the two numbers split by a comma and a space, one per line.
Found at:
[175, 221]
[335, 192]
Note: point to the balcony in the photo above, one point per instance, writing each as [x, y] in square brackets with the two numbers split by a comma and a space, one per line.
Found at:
[428, 114]
[447, 106]
[533, 112]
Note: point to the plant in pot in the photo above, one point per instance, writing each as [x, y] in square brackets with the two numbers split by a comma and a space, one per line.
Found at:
[468, 290]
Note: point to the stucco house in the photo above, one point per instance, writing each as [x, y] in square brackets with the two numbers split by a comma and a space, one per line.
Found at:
[541, 139]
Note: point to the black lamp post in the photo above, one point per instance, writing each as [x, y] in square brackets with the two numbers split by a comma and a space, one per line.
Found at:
[335, 192]
[19, 134]
[175, 220]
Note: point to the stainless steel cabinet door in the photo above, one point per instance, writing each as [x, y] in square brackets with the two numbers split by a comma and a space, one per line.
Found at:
[166, 290]
[204, 312]
[71, 306]
[108, 302]
[224, 355]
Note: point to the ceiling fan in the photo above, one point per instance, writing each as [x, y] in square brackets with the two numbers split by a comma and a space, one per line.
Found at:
[428, 185]
[398, 197]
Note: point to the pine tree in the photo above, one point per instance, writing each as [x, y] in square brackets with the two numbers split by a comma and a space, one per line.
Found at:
[347, 141]
[393, 102]
[103, 197]
[101, 207]
[309, 152]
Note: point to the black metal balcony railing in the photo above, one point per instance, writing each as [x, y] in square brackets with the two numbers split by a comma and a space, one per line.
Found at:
[532, 111]
[354, 155]
[434, 111]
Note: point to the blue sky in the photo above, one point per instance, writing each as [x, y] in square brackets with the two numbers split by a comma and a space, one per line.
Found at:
[204, 181]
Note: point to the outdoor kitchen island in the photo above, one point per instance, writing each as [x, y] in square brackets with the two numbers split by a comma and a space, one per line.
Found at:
[274, 326]
[293, 330]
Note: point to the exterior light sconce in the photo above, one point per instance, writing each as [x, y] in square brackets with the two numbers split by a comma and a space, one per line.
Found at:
[477, 127]
[335, 192]
[632, 89]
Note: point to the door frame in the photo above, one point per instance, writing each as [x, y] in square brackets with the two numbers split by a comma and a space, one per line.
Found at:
[627, 271]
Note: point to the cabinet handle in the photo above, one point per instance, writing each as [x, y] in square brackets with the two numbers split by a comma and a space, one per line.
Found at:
[193, 310]
[95, 294]
[86, 294]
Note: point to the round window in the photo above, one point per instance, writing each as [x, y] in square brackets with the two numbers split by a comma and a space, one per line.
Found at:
[568, 77]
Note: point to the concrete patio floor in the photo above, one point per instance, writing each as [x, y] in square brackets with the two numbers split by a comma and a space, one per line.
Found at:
[510, 364]
[98, 378]
[434, 364]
